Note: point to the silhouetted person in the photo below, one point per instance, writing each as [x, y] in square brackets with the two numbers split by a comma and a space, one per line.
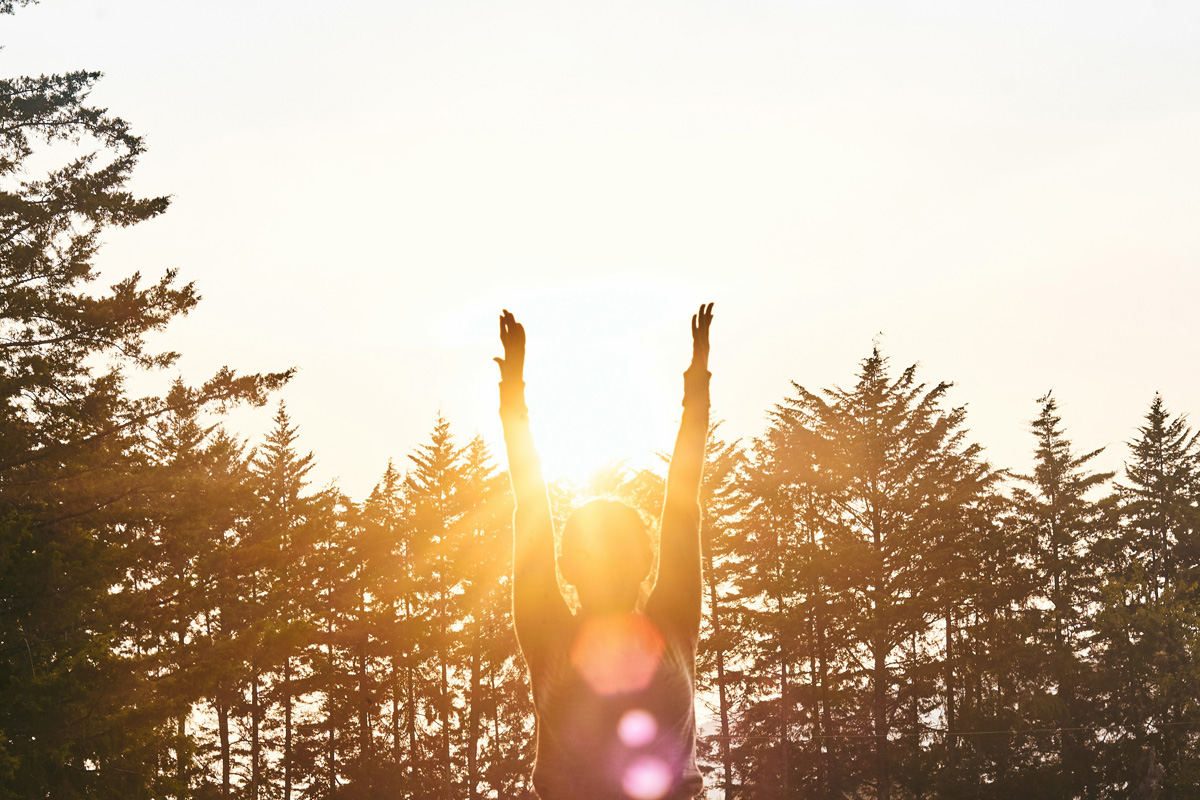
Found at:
[613, 687]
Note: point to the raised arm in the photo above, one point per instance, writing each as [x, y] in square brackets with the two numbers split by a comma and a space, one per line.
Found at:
[676, 595]
[539, 610]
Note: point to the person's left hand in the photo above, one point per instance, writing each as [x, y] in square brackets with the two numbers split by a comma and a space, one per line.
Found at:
[701, 321]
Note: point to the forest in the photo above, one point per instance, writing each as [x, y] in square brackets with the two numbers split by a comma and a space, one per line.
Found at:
[183, 614]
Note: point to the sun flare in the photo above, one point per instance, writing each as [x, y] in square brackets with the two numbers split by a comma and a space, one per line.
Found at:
[604, 389]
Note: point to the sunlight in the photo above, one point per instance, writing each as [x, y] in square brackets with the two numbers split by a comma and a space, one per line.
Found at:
[648, 778]
[637, 728]
[617, 654]
[603, 375]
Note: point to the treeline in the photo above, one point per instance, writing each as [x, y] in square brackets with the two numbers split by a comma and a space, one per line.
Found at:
[887, 615]
[892, 616]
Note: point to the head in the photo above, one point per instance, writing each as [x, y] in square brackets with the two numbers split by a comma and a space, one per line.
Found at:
[606, 555]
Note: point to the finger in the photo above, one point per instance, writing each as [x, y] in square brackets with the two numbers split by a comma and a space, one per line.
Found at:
[695, 327]
[503, 330]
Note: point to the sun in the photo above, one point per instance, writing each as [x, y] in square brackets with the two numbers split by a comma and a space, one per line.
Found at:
[589, 413]
[603, 383]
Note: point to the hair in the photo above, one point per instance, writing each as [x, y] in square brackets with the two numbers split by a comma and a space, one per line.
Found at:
[609, 535]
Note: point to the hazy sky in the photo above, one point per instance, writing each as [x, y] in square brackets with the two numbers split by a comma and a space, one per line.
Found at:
[1007, 193]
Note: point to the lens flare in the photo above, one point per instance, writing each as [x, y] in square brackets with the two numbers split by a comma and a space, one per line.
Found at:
[617, 654]
[637, 728]
[647, 778]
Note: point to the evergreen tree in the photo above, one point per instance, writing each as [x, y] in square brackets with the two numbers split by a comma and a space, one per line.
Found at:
[1147, 620]
[328, 750]
[1063, 524]
[1159, 499]
[79, 707]
[723, 500]
[881, 477]
[228, 502]
[384, 643]
[438, 508]
[484, 549]
[193, 512]
[282, 532]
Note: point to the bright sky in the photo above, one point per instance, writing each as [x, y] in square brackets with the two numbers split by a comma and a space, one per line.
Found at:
[1007, 193]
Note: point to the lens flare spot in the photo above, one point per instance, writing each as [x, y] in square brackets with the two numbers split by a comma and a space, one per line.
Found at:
[617, 654]
[637, 728]
[647, 778]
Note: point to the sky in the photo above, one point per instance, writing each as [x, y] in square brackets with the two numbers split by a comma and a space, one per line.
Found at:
[1005, 193]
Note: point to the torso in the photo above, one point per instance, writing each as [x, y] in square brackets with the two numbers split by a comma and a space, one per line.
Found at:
[614, 700]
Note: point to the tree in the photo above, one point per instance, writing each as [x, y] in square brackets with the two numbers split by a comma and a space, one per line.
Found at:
[227, 502]
[438, 507]
[1063, 523]
[278, 546]
[723, 500]
[77, 486]
[881, 476]
[1148, 615]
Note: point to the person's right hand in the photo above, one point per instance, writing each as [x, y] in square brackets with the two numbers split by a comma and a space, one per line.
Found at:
[512, 336]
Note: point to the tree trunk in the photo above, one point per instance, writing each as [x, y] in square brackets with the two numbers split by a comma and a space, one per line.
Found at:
[444, 704]
[722, 698]
[883, 779]
[784, 699]
[255, 752]
[879, 712]
[395, 716]
[951, 707]
[181, 756]
[181, 770]
[331, 733]
[287, 728]
[828, 784]
[365, 745]
[496, 719]
[410, 711]
[223, 729]
[411, 721]
[473, 726]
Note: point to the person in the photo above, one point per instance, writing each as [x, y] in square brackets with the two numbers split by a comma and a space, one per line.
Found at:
[613, 686]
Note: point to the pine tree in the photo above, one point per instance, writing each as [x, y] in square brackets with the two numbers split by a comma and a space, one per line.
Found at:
[723, 499]
[483, 549]
[384, 556]
[878, 477]
[78, 708]
[1148, 617]
[438, 508]
[330, 740]
[1063, 523]
[1159, 498]
[229, 502]
[281, 535]
[191, 519]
